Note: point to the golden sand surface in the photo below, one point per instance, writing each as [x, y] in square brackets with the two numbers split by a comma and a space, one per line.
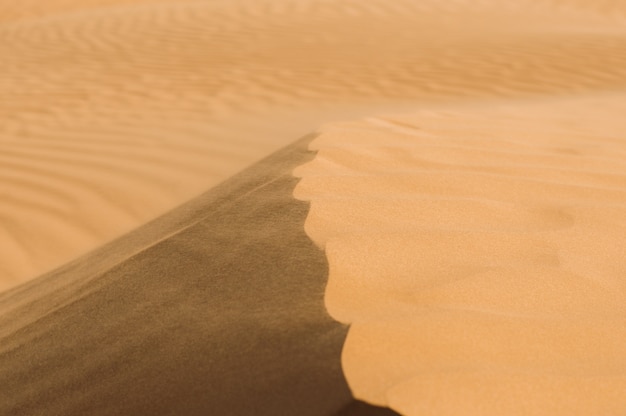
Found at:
[115, 111]
[472, 216]
[478, 255]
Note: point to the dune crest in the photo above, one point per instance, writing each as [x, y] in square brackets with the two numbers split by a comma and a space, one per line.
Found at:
[478, 256]
[115, 111]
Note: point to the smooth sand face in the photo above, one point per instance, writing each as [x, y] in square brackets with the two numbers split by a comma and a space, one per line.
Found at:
[114, 111]
[478, 255]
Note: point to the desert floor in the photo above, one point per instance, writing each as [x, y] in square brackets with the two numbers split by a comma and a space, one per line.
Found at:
[460, 211]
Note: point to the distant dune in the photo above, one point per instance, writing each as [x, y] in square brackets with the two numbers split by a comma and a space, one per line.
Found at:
[115, 111]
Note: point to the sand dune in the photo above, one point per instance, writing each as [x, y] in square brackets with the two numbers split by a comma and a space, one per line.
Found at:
[478, 256]
[192, 314]
[474, 245]
[115, 111]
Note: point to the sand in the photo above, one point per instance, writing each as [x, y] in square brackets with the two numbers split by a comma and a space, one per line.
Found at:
[478, 256]
[469, 221]
[115, 111]
[215, 308]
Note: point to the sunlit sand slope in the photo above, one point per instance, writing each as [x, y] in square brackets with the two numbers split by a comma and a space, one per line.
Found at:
[478, 255]
[114, 111]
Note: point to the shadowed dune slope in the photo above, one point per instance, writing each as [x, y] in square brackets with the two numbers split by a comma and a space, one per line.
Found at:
[215, 308]
[114, 111]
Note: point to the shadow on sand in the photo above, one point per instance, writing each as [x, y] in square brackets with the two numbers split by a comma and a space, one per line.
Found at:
[213, 309]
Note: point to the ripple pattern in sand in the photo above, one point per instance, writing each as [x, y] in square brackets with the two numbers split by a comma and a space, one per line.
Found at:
[114, 111]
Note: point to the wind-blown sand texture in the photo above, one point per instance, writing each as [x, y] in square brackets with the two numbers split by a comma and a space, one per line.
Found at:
[474, 245]
[216, 308]
[114, 111]
[478, 256]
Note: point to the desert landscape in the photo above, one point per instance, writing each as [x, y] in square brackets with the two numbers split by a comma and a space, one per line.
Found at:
[313, 207]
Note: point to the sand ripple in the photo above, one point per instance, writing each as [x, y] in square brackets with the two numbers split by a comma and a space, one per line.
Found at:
[114, 111]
